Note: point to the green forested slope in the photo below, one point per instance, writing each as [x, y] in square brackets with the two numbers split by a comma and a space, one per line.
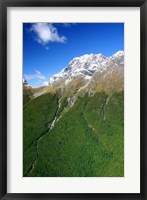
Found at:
[37, 116]
[27, 94]
[87, 140]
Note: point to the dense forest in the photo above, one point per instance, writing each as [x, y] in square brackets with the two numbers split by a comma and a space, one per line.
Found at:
[82, 140]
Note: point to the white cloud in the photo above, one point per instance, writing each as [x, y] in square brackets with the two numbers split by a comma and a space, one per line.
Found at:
[45, 83]
[38, 72]
[39, 75]
[36, 75]
[28, 77]
[46, 33]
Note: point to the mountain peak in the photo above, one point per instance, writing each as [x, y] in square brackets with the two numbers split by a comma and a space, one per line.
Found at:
[119, 53]
[84, 67]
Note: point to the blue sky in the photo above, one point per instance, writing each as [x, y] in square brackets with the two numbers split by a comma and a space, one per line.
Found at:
[48, 48]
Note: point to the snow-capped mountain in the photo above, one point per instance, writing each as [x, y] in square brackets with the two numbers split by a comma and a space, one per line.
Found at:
[85, 66]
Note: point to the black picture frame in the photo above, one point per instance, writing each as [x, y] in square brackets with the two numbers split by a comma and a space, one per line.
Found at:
[4, 4]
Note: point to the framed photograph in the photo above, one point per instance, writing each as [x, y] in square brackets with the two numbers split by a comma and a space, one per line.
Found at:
[73, 99]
